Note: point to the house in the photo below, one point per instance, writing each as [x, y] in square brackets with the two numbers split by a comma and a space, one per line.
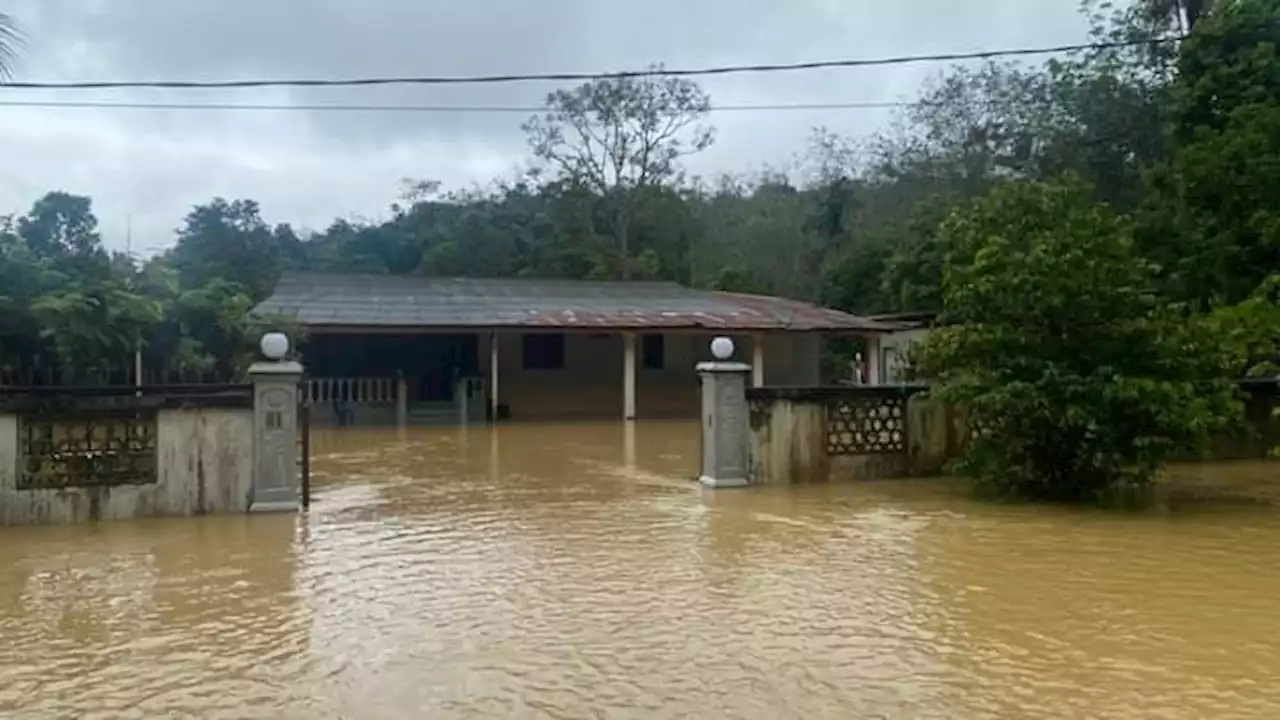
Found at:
[887, 363]
[398, 348]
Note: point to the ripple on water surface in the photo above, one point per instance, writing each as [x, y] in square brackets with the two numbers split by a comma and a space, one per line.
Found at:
[569, 571]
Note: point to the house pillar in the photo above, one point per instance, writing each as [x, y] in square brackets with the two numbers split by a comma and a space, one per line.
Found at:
[137, 370]
[757, 360]
[628, 376]
[493, 376]
[629, 445]
[402, 400]
[495, 454]
[875, 375]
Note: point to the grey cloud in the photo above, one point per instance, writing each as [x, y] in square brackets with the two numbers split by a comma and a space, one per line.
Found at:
[311, 167]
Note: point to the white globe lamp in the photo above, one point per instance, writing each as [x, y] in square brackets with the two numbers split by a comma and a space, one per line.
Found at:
[274, 345]
[722, 348]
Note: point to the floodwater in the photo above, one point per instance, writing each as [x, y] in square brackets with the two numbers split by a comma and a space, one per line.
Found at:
[576, 572]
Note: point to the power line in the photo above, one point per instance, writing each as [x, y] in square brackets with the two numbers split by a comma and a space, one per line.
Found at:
[91, 104]
[573, 77]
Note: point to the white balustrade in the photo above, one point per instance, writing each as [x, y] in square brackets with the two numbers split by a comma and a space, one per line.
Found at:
[358, 391]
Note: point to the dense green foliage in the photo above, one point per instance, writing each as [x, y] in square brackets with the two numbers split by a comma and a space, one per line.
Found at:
[70, 307]
[1103, 225]
[1087, 357]
[1075, 373]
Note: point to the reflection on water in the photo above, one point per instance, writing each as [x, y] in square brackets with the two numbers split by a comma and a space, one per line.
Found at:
[577, 571]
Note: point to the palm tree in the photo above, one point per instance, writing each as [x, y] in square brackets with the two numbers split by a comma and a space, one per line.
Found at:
[10, 41]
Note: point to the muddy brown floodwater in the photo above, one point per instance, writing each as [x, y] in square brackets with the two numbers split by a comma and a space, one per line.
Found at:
[572, 571]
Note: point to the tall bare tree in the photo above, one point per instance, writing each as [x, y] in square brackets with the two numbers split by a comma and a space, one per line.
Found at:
[1194, 10]
[1184, 13]
[621, 134]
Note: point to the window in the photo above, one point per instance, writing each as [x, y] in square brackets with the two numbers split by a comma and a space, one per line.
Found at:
[654, 350]
[543, 351]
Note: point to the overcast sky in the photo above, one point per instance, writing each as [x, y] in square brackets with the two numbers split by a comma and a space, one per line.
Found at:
[309, 167]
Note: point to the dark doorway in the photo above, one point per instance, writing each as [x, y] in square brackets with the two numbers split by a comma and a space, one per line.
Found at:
[443, 361]
[431, 363]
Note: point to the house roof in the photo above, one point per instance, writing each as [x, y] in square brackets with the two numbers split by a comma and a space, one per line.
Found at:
[907, 320]
[322, 300]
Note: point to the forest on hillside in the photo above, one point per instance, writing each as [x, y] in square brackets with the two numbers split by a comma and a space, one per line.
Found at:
[1178, 137]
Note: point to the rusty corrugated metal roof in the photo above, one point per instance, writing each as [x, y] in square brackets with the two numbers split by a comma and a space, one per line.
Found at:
[385, 301]
[906, 320]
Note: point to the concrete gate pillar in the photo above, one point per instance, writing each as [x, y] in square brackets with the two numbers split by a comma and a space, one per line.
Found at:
[275, 428]
[724, 418]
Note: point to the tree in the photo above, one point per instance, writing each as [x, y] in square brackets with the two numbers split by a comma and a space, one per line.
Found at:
[60, 225]
[1076, 376]
[619, 134]
[1100, 114]
[1250, 332]
[21, 281]
[753, 232]
[100, 320]
[1184, 13]
[1210, 217]
[10, 43]
[229, 241]
[65, 296]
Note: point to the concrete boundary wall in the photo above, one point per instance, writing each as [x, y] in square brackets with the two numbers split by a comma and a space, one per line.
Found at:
[842, 432]
[82, 456]
[851, 432]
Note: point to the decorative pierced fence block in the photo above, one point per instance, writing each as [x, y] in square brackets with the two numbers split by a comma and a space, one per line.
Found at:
[95, 449]
[868, 425]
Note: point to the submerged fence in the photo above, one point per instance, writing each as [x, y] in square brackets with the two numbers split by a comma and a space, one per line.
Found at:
[82, 454]
[75, 454]
[100, 376]
[820, 434]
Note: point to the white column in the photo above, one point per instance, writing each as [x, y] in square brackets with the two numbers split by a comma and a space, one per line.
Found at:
[493, 375]
[875, 375]
[757, 360]
[137, 371]
[628, 376]
[402, 401]
[495, 453]
[629, 445]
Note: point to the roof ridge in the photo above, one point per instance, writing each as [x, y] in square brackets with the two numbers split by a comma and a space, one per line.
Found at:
[485, 279]
[772, 298]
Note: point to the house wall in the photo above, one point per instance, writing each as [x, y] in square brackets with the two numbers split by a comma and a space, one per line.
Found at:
[893, 349]
[205, 465]
[591, 382]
